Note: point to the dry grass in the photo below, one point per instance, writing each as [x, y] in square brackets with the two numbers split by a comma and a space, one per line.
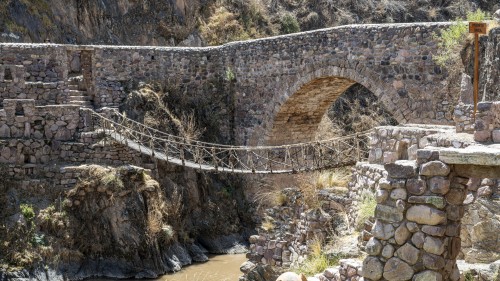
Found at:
[100, 177]
[222, 27]
[268, 224]
[366, 209]
[339, 177]
[309, 190]
[160, 117]
[233, 20]
[310, 184]
[270, 198]
[317, 261]
[173, 207]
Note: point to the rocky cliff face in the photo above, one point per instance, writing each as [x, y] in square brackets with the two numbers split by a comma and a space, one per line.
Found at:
[122, 22]
[180, 22]
[117, 223]
[490, 78]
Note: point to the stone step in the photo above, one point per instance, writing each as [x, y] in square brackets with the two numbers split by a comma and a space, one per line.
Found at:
[77, 93]
[81, 103]
[79, 98]
[73, 86]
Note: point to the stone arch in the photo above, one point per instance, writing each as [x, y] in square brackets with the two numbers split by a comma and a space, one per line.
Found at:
[299, 109]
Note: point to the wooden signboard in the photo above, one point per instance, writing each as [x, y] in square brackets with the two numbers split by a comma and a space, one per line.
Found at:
[476, 28]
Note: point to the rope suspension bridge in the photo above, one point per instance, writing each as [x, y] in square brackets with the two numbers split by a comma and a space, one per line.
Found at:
[292, 158]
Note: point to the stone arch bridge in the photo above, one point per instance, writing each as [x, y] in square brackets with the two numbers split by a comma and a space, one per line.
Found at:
[277, 89]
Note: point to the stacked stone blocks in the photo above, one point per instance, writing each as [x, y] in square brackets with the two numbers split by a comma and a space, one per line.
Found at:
[417, 227]
[391, 143]
[487, 125]
[295, 227]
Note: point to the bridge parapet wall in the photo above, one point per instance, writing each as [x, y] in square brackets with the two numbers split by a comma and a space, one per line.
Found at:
[391, 143]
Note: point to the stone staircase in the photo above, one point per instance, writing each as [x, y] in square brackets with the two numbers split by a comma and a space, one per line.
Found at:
[77, 96]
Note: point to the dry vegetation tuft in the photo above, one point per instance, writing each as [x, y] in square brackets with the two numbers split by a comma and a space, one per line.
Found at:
[310, 184]
[317, 260]
[160, 117]
[366, 209]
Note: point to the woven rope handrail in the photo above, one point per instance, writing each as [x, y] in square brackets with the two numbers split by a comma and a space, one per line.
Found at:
[289, 158]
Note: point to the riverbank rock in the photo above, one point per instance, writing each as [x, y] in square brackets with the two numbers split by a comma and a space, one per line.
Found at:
[38, 274]
[479, 271]
[228, 244]
[260, 273]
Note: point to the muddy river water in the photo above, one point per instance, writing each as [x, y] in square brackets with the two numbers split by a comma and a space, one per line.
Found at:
[218, 268]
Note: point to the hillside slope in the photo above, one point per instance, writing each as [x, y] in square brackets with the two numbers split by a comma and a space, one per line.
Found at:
[200, 22]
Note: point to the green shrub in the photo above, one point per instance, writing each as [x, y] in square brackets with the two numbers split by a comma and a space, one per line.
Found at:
[289, 24]
[230, 76]
[28, 212]
[452, 39]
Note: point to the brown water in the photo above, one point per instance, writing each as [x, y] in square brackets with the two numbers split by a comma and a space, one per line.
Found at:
[218, 268]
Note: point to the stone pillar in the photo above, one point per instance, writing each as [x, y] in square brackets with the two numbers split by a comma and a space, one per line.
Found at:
[487, 125]
[416, 235]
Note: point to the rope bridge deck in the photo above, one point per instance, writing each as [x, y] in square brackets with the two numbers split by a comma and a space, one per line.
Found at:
[292, 158]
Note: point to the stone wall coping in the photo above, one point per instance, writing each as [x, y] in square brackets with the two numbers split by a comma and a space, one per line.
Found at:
[418, 127]
[483, 155]
[358, 27]
[465, 138]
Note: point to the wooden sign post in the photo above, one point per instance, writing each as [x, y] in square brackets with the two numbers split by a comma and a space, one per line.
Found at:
[476, 28]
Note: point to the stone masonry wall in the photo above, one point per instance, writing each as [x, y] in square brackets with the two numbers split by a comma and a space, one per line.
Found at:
[487, 125]
[37, 72]
[36, 140]
[481, 221]
[22, 119]
[463, 117]
[391, 143]
[417, 228]
[365, 177]
[294, 227]
[394, 61]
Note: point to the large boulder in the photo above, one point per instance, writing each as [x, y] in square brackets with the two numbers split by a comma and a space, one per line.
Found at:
[260, 273]
[291, 276]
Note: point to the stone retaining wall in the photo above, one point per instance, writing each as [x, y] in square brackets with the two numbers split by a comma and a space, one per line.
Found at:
[295, 227]
[391, 143]
[33, 138]
[481, 221]
[365, 178]
[22, 119]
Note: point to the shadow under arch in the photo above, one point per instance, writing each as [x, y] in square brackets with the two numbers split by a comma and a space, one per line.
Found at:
[301, 108]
